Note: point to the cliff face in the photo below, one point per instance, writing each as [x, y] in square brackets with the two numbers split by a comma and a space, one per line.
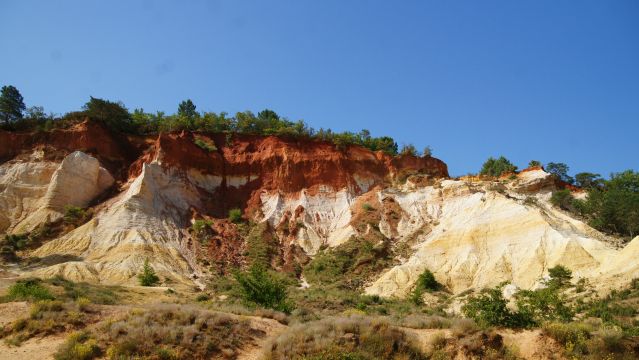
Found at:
[166, 182]
[146, 192]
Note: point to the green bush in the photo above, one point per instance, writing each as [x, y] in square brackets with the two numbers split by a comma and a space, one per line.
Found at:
[563, 199]
[258, 286]
[425, 282]
[30, 289]
[534, 163]
[543, 305]
[76, 215]
[79, 346]
[560, 276]
[206, 146]
[614, 207]
[489, 308]
[235, 216]
[148, 277]
[497, 167]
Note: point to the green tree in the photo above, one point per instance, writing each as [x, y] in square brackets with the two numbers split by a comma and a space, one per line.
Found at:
[489, 308]
[615, 206]
[409, 149]
[113, 114]
[559, 276]
[186, 109]
[560, 171]
[258, 286]
[588, 180]
[497, 167]
[148, 277]
[542, 305]
[11, 104]
[534, 163]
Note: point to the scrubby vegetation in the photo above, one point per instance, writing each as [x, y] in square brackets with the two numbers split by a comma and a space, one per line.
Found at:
[116, 116]
[611, 205]
[47, 317]
[344, 338]
[163, 332]
[497, 167]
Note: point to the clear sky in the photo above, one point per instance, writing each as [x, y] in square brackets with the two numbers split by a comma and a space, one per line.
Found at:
[550, 80]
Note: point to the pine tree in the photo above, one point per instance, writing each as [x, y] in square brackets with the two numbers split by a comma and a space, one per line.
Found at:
[11, 104]
[148, 277]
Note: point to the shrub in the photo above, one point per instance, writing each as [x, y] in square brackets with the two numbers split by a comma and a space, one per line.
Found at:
[367, 207]
[409, 149]
[148, 277]
[489, 308]
[30, 289]
[563, 199]
[235, 216]
[167, 330]
[204, 145]
[497, 167]
[259, 287]
[79, 346]
[343, 338]
[534, 163]
[543, 305]
[560, 276]
[425, 282]
[76, 215]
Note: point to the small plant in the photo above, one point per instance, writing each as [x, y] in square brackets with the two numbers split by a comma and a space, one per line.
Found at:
[202, 297]
[79, 346]
[235, 216]
[204, 145]
[75, 215]
[367, 207]
[148, 277]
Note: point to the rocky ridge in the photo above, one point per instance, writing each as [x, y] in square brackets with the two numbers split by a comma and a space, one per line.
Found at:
[146, 193]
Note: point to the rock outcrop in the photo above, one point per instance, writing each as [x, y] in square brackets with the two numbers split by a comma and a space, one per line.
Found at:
[471, 232]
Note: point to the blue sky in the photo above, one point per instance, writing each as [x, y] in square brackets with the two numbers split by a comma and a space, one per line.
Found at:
[550, 80]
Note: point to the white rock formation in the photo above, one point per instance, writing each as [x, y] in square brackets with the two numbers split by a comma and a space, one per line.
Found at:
[143, 222]
[76, 181]
[23, 183]
[326, 216]
[482, 237]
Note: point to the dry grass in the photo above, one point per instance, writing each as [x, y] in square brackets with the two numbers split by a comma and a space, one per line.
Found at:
[48, 317]
[590, 340]
[164, 332]
[343, 338]
[422, 321]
